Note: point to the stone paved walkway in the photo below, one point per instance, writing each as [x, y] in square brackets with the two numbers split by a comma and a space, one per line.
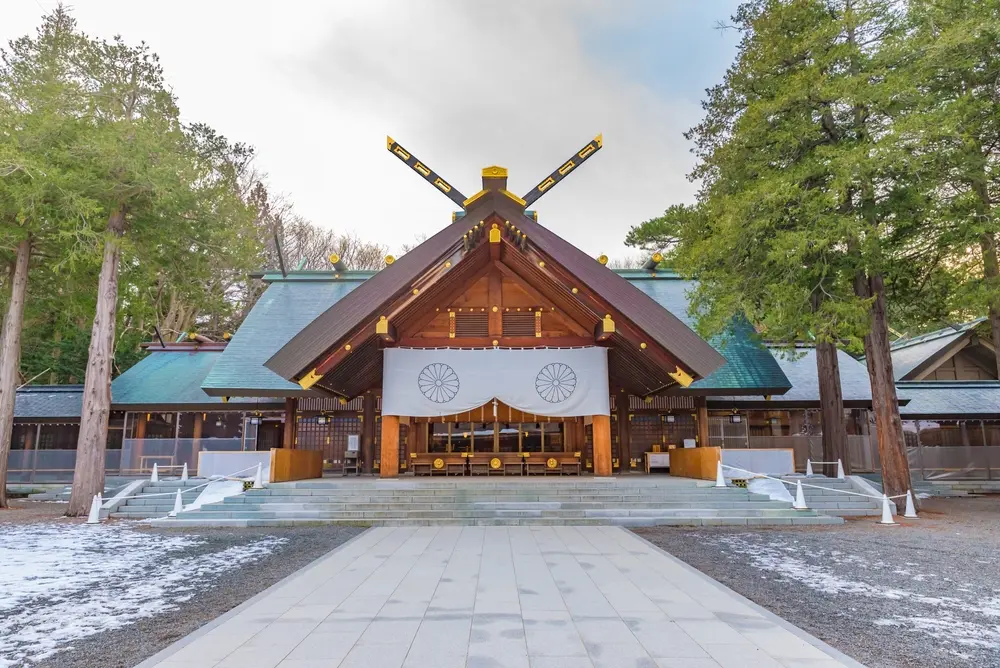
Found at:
[490, 597]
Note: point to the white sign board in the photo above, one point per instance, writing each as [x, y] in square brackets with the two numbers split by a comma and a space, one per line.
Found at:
[353, 442]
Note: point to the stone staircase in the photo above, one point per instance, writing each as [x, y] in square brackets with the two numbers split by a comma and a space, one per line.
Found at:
[157, 506]
[834, 500]
[624, 501]
[956, 488]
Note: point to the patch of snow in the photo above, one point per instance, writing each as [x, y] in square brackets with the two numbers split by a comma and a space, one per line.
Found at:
[217, 490]
[774, 489]
[947, 619]
[61, 583]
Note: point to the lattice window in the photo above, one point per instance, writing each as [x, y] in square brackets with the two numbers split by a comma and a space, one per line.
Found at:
[472, 324]
[518, 323]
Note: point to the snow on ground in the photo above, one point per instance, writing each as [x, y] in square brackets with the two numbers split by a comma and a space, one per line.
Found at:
[60, 582]
[968, 618]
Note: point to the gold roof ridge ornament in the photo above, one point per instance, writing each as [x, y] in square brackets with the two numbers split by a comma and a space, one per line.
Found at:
[496, 172]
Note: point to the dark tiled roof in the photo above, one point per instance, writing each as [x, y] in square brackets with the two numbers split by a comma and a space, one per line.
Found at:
[169, 378]
[800, 369]
[748, 363]
[284, 309]
[910, 352]
[950, 399]
[48, 401]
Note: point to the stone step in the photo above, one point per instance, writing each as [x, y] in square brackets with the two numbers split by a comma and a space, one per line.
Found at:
[628, 521]
[374, 498]
[499, 505]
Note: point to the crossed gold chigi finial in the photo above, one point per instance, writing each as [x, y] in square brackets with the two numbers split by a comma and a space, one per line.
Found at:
[452, 193]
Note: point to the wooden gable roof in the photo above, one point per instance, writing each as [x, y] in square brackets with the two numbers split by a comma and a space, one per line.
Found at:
[444, 255]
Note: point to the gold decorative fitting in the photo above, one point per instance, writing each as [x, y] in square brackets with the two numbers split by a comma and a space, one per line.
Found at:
[389, 141]
[495, 463]
[401, 153]
[439, 463]
[565, 169]
[309, 380]
[389, 259]
[657, 258]
[225, 400]
[227, 335]
[494, 226]
[643, 345]
[447, 265]
[192, 336]
[495, 342]
[440, 183]
[541, 263]
[382, 326]
[574, 291]
[416, 291]
[682, 377]
[608, 325]
[347, 347]
[334, 258]
[496, 308]
[602, 259]
[424, 171]
[343, 401]
[472, 199]
[551, 462]
[600, 140]
[546, 184]
[494, 235]
[506, 223]
[514, 197]
[495, 172]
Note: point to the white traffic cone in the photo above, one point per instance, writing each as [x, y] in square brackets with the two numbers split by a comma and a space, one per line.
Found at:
[95, 511]
[886, 512]
[809, 468]
[800, 498]
[178, 505]
[155, 477]
[258, 479]
[184, 473]
[911, 511]
[840, 470]
[720, 480]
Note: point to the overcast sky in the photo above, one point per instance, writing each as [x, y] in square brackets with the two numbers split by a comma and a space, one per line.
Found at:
[316, 87]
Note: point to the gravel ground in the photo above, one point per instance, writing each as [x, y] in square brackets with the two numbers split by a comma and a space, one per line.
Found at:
[926, 593]
[129, 645]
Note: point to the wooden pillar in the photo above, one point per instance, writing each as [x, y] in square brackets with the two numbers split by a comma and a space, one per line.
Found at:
[140, 427]
[29, 436]
[291, 426]
[368, 432]
[602, 445]
[199, 421]
[701, 418]
[389, 465]
[624, 432]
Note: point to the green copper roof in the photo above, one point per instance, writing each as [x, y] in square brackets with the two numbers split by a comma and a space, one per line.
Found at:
[285, 308]
[168, 378]
[749, 365]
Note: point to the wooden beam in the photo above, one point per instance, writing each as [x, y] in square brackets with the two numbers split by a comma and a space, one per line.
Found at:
[495, 298]
[602, 445]
[523, 282]
[701, 420]
[291, 423]
[368, 432]
[389, 461]
[502, 341]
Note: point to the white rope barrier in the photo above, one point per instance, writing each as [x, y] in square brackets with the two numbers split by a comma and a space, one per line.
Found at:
[188, 489]
[805, 484]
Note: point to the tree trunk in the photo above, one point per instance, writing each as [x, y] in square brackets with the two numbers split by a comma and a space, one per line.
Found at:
[88, 477]
[10, 344]
[991, 272]
[831, 401]
[888, 425]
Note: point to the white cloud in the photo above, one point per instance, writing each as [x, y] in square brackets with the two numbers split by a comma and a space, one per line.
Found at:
[316, 87]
